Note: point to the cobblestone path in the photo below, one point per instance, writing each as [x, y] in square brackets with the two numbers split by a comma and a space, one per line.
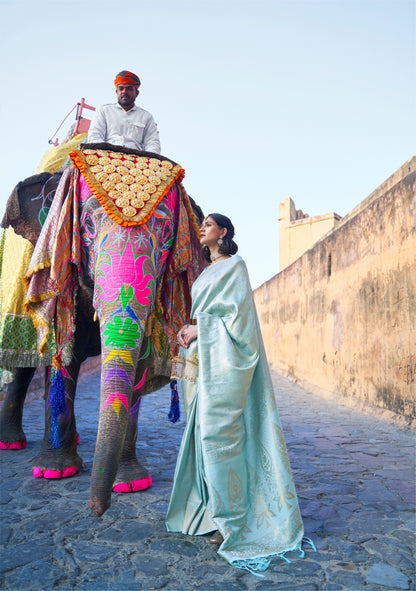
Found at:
[355, 480]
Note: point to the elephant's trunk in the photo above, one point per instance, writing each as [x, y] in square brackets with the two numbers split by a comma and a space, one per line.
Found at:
[110, 441]
[121, 342]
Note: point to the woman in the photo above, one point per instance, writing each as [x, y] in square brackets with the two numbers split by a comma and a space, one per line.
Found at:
[233, 475]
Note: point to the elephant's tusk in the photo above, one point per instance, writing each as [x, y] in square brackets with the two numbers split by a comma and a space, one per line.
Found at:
[95, 316]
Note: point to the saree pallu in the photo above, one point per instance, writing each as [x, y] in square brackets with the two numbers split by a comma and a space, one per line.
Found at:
[233, 472]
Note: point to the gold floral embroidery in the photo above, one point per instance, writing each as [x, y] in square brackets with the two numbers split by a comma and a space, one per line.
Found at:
[185, 369]
[235, 489]
[191, 369]
[281, 445]
[122, 201]
[286, 496]
[92, 159]
[101, 177]
[129, 211]
[122, 187]
[128, 186]
[108, 186]
[115, 177]
[121, 169]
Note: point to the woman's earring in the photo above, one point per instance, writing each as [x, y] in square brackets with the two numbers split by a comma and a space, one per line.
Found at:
[219, 241]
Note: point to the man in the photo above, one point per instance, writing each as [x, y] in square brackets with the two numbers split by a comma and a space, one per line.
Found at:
[123, 123]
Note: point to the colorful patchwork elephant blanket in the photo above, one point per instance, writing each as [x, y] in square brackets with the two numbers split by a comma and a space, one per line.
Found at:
[18, 333]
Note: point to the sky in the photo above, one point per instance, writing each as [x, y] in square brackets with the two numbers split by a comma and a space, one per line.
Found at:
[258, 100]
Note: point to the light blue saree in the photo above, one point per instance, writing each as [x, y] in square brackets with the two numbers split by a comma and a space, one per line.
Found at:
[233, 472]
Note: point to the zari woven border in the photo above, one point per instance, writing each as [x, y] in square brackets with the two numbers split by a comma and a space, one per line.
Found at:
[128, 186]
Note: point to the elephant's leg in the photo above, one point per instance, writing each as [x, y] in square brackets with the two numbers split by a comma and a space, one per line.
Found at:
[63, 461]
[131, 475]
[11, 431]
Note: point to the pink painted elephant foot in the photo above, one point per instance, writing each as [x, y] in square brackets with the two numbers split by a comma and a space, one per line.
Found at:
[65, 473]
[133, 486]
[56, 463]
[11, 436]
[13, 444]
[131, 477]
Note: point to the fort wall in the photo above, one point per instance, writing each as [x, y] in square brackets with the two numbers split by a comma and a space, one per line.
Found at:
[299, 231]
[342, 317]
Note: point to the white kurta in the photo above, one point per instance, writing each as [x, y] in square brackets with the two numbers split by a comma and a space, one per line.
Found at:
[134, 129]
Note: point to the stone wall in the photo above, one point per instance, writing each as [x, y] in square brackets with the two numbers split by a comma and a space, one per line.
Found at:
[299, 231]
[342, 316]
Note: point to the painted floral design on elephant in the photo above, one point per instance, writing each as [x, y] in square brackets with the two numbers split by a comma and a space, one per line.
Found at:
[122, 333]
[116, 268]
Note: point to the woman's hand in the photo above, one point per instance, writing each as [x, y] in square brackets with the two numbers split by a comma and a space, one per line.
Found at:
[186, 335]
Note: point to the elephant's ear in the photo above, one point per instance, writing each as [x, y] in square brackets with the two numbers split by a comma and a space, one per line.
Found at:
[199, 214]
[29, 203]
[12, 208]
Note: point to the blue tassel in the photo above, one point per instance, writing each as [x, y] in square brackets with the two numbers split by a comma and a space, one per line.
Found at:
[57, 400]
[174, 413]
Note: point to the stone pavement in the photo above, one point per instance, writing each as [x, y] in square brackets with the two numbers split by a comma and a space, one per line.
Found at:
[355, 480]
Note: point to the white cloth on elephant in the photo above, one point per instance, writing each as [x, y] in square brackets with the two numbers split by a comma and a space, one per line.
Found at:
[134, 129]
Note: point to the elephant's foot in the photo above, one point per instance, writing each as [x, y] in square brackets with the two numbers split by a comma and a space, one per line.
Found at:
[65, 473]
[12, 435]
[131, 476]
[134, 485]
[56, 463]
[13, 444]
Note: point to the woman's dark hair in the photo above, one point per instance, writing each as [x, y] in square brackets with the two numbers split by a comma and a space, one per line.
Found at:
[228, 245]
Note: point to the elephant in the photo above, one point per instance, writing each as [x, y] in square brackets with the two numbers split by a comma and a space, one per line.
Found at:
[132, 274]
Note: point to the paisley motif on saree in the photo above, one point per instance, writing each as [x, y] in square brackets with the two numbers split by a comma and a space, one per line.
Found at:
[129, 186]
[233, 472]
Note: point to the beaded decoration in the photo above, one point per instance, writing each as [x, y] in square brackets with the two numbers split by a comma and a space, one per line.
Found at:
[128, 186]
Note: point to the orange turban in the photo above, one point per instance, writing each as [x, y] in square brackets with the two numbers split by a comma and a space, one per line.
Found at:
[127, 78]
